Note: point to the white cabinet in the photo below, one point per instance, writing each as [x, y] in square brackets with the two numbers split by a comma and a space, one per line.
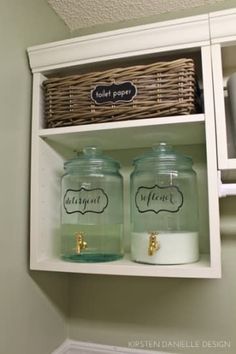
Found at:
[223, 39]
[192, 134]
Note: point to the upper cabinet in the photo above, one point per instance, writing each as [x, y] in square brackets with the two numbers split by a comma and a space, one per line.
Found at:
[223, 39]
[192, 134]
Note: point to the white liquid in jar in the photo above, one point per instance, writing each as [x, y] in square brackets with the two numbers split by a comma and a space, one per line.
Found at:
[175, 247]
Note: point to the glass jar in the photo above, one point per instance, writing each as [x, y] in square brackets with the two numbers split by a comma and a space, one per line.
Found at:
[92, 208]
[164, 208]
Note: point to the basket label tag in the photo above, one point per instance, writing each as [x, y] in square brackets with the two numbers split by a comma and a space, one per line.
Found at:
[123, 92]
[85, 201]
[156, 199]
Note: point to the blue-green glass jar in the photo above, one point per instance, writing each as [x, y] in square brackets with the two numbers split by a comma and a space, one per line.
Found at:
[164, 208]
[92, 208]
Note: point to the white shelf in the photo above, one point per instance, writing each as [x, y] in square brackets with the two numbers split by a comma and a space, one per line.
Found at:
[193, 134]
[200, 269]
[177, 130]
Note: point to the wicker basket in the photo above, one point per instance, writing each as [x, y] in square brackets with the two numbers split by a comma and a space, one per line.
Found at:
[162, 88]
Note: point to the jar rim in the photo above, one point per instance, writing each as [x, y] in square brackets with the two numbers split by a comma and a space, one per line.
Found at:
[163, 154]
[91, 157]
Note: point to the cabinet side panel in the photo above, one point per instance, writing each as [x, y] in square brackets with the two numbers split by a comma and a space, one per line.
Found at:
[46, 200]
[34, 193]
[219, 106]
[213, 199]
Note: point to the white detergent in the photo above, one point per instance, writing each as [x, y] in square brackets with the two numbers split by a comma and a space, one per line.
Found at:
[175, 248]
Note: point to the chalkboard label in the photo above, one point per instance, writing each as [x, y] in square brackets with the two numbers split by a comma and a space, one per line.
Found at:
[85, 201]
[123, 92]
[157, 199]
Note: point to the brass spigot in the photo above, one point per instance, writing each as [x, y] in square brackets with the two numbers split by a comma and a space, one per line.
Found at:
[154, 244]
[80, 243]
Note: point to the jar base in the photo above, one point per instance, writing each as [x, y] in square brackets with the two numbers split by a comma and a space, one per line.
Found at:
[92, 257]
[167, 263]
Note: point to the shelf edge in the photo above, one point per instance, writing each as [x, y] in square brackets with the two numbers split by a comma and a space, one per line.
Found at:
[137, 123]
[125, 267]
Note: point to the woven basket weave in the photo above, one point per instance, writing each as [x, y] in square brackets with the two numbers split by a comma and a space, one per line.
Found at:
[163, 88]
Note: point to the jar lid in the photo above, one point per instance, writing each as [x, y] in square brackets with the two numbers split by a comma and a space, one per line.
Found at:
[163, 154]
[91, 156]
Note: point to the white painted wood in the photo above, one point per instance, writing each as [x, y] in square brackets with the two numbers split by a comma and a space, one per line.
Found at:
[231, 164]
[200, 269]
[138, 40]
[45, 203]
[77, 347]
[50, 147]
[223, 37]
[222, 26]
[34, 192]
[221, 130]
[135, 133]
[184, 119]
[212, 175]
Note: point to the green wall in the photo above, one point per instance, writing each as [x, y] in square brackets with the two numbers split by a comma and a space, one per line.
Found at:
[39, 309]
[32, 305]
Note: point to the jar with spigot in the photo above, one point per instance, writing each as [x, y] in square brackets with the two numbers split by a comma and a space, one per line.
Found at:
[91, 208]
[164, 208]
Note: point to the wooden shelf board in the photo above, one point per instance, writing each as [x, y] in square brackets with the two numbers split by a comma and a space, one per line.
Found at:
[125, 266]
[130, 134]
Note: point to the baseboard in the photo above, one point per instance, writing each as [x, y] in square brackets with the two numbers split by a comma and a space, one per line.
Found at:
[74, 347]
[64, 347]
